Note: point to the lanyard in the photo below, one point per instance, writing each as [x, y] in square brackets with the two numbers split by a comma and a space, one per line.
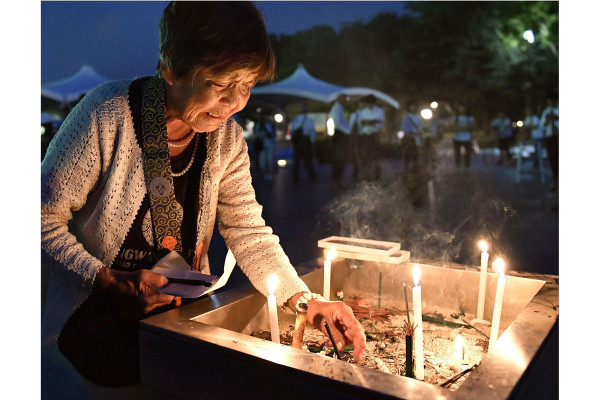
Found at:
[166, 212]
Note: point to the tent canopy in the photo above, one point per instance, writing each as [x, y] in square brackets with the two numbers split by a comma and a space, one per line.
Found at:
[299, 85]
[48, 118]
[362, 91]
[302, 85]
[72, 88]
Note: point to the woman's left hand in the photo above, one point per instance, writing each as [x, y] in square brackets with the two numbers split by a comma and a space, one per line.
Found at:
[344, 326]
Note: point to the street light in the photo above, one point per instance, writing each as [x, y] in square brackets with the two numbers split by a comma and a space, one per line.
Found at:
[434, 104]
[426, 113]
[529, 36]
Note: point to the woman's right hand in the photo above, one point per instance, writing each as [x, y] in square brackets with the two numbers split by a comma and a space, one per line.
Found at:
[133, 292]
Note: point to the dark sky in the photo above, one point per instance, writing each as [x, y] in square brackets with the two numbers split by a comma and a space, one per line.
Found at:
[120, 39]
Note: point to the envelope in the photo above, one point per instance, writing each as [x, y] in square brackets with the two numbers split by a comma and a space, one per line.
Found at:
[174, 266]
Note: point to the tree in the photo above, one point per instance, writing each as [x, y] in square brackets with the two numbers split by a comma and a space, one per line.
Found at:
[471, 52]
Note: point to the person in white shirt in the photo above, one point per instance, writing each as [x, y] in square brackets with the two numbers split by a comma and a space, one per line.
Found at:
[370, 121]
[266, 131]
[412, 125]
[549, 122]
[502, 127]
[341, 139]
[302, 141]
[463, 123]
[532, 124]
[353, 153]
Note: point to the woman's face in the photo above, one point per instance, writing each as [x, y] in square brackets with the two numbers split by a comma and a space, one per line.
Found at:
[208, 100]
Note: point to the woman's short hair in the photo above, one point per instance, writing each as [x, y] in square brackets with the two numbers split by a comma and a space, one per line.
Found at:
[219, 37]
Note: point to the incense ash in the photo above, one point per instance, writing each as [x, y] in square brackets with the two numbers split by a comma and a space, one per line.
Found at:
[386, 330]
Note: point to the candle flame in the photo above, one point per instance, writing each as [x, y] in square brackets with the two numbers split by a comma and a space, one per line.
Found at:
[272, 284]
[331, 254]
[483, 245]
[500, 266]
[416, 275]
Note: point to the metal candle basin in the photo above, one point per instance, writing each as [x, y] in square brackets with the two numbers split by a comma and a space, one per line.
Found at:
[203, 349]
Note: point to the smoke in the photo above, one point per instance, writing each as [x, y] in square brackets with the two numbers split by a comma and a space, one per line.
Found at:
[439, 215]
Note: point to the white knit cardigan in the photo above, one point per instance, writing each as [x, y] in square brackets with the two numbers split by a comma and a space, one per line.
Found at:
[93, 186]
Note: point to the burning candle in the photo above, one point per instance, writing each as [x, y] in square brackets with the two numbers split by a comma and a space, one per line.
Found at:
[272, 304]
[327, 273]
[418, 317]
[459, 353]
[497, 303]
[482, 279]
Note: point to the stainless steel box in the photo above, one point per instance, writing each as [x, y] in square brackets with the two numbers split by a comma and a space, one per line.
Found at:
[203, 349]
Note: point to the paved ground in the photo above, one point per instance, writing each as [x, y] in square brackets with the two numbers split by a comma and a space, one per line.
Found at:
[465, 205]
[459, 207]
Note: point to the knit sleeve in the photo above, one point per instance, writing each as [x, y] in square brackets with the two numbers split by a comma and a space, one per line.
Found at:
[69, 171]
[255, 247]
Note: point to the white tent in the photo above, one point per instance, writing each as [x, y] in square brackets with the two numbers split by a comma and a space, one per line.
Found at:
[49, 118]
[299, 84]
[362, 91]
[51, 94]
[72, 88]
[303, 85]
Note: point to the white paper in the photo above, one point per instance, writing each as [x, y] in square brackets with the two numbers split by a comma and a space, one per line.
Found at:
[174, 266]
[227, 269]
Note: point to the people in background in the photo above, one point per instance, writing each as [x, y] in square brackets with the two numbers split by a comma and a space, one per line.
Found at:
[265, 129]
[370, 121]
[303, 133]
[502, 128]
[340, 142]
[535, 131]
[463, 125]
[354, 128]
[549, 122]
[412, 126]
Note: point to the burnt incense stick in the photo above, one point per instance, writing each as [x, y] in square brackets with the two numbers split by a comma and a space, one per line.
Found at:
[379, 304]
[457, 376]
[486, 336]
[332, 341]
[189, 281]
[409, 359]
[406, 300]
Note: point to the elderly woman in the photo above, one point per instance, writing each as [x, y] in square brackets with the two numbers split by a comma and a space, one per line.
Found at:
[140, 168]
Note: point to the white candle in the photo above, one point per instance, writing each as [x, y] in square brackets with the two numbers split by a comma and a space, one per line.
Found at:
[497, 303]
[272, 304]
[327, 273]
[458, 354]
[418, 317]
[482, 279]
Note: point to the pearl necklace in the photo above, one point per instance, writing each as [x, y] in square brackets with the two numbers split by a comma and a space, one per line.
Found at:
[186, 169]
[176, 143]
